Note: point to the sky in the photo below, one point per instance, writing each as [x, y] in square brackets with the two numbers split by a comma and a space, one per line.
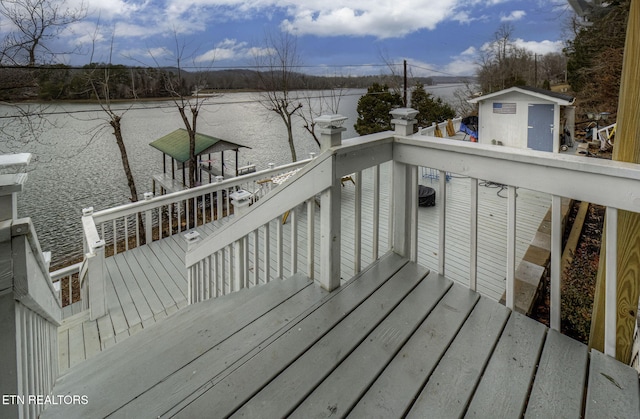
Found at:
[356, 37]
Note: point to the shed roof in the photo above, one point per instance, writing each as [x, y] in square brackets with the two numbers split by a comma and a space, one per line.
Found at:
[559, 98]
[176, 145]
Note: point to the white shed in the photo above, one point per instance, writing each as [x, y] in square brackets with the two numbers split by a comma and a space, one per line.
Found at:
[525, 117]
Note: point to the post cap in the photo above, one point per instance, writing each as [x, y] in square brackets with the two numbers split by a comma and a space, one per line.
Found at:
[87, 211]
[191, 236]
[148, 196]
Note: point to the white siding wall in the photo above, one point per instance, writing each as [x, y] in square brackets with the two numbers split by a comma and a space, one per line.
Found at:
[510, 129]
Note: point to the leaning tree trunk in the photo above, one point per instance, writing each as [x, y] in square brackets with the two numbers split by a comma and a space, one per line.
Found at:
[117, 132]
[627, 149]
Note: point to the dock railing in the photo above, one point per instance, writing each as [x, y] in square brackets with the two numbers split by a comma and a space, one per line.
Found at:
[615, 185]
[30, 308]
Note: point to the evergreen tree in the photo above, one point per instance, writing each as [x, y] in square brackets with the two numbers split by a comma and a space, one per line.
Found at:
[374, 108]
[429, 109]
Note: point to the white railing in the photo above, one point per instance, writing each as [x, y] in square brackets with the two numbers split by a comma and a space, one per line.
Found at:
[130, 225]
[69, 283]
[615, 185]
[442, 126]
[226, 268]
[31, 316]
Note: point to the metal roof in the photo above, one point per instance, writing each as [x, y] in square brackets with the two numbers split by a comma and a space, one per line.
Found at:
[559, 98]
[176, 145]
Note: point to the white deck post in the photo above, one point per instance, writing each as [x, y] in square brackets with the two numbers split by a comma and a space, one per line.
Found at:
[611, 282]
[556, 257]
[330, 205]
[97, 292]
[404, 191]
[193, 274]
[148, 221]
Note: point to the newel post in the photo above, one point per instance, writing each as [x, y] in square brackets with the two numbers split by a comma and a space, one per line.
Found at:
[94, 257]
[193, 272]
[148, 221]
[330, 204]
[404, 209]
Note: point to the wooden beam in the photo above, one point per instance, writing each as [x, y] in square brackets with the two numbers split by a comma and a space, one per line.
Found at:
[627, 149]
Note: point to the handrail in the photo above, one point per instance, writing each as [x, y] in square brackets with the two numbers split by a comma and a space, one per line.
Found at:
[44, 300]
[262, 211]
[569, 176]
[157, 201]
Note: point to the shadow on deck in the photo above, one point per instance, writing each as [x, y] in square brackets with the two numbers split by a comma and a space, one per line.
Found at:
[393, 341]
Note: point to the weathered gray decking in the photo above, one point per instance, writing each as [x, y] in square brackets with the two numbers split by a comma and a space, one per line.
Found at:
[393, 342]
[148, 283]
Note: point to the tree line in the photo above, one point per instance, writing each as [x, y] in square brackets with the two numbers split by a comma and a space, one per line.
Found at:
[64, 82]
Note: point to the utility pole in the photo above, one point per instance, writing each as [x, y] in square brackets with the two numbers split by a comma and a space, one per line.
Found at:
[405, 83]
[535, 70]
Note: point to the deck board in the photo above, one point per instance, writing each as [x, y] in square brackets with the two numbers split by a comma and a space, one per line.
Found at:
[614, 390]
[559, 395]
[388, 343]
[303, 376]
[407, 361]
[504, 387]
[452, 383]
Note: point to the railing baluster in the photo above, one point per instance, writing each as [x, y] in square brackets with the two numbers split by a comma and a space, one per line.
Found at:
[311, 233]
[294, 240]
[115, 238]
[611, 280]
[511, 248]
[126, 232]
[256, 257]
[279, 247]
[473, 216]
[376, 212]
[267, 253]
[137, 227]
[556, 259]
[413, 213]
[442, 203]
[357, 247]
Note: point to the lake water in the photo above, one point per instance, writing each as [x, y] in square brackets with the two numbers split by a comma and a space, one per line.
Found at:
[77, 163]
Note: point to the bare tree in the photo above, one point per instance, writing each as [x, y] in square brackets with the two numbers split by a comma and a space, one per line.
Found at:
[318, 103]
[188, 102]
[277, 78]
[34, 25]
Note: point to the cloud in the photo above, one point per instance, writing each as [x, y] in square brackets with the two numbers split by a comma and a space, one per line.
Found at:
[540, 47]
[513, 16]
[231, 49]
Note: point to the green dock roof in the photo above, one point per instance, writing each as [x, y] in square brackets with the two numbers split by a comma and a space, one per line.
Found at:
[176, 145]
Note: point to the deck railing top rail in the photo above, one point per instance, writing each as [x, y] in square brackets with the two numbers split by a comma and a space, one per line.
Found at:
[162, 200]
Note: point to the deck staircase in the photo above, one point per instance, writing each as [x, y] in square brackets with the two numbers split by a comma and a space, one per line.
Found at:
[144, 285]
[396, 340]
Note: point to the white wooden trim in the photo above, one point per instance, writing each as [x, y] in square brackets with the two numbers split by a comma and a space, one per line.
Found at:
[293, 192]
[330, 240]
[564, 175]
[376, 212]
[357, 257]
[511, 248]
[442, 212]
[611, 275]
[556, 260]
[473, 235]
[413, 214]
[311, 233]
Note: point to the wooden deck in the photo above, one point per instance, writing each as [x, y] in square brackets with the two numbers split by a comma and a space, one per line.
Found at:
[395, 341]
[149, 283]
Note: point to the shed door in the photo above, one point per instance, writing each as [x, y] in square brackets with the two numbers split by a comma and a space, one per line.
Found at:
[540, 127]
